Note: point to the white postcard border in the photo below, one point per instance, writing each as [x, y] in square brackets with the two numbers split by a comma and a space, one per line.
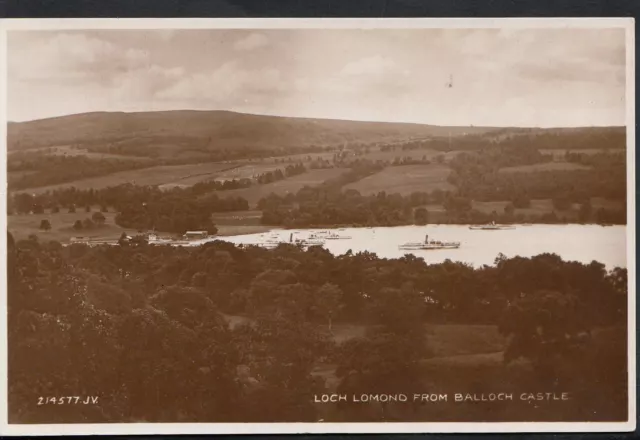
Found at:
[7, 25]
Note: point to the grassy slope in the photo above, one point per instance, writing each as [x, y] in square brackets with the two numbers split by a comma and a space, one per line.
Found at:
[405, 180]
[212, 130]
[21, 226]
[147, 176]
[547, 166]
[291, 185]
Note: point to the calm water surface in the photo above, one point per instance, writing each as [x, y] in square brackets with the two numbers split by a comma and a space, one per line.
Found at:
[583, 243]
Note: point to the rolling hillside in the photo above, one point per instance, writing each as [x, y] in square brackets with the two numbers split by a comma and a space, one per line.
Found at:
[211, 130]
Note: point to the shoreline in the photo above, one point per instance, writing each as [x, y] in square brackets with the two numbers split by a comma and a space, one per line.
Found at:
[231, 231]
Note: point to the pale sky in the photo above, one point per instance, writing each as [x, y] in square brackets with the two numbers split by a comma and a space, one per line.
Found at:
[509, 77]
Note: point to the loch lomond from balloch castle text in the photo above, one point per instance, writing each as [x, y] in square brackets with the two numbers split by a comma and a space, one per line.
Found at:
[320, 223]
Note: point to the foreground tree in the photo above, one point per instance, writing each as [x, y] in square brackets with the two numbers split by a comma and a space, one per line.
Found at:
[545, 327]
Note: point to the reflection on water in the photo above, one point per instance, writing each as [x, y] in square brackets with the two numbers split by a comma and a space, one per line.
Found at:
[583, 243]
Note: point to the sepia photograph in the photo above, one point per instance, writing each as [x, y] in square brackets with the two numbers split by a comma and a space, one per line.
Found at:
[269, 226]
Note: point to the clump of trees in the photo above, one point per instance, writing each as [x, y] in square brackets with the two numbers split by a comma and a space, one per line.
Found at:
[138, 207]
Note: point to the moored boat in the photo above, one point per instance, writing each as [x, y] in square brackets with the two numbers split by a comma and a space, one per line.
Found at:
[429, 245]
[328, 236]
[272, 243]
[491, 227]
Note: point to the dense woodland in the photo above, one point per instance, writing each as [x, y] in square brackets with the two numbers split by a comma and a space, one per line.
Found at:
[144, 328]
[584, 138]
[316, 207]
[478, 176]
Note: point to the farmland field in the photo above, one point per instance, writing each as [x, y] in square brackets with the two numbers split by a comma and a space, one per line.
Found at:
[405, 180]
[560, 152]
[12, 175]
[68, 150]
[489, 207]
[147, 176]
[538, 207]
[282, 187]
[548, 166]
[239, 223]
[375, 155]
[248, 171]
[233, 170]
[21, 226]
[295, 158]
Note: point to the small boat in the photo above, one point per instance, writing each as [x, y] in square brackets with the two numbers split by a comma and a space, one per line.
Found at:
[266, 245]
[429, 245]
[328, 236]
[305, 242]
[492, 227]
[308, 242]
[337, 237]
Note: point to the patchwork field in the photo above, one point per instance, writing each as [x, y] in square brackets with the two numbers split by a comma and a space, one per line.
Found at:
[167, 174]
[291, 185]
[549, 166]
[405, 180]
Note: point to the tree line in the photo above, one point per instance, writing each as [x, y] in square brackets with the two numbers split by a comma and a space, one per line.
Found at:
[478, 175]
[261, 179]
[323, 207]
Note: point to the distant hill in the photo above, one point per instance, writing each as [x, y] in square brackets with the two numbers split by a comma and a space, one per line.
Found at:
[212, 130]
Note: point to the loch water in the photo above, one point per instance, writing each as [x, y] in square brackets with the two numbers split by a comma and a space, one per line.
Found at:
[583, 243]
